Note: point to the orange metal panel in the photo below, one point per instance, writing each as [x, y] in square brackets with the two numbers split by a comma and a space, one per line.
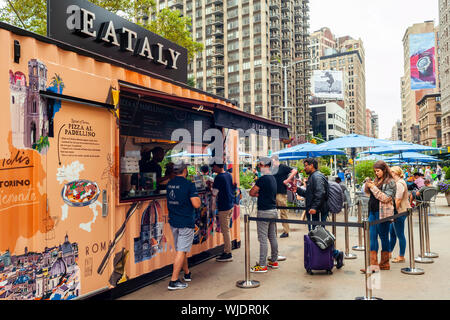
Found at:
[38, 166]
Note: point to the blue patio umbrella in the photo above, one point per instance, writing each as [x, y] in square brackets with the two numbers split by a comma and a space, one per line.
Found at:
[245, 155]
[400, 147]
[371, 158]
[355, 141]
[411, 157]
[306, 150]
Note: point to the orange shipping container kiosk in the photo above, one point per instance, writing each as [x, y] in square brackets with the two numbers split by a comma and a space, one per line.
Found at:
[75, 124]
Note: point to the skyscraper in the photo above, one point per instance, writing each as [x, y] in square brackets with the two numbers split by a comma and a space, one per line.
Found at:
[347, 55]
[247, 45]
[410, 95]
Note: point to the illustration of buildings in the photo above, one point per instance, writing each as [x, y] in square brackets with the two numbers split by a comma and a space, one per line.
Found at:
[53, 274]
[151, 240]
[29, 118]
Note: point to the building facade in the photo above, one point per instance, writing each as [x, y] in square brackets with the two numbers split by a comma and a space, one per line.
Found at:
[409, 97]
[329, 120]
[430, 120]
[248, 44]
[375, 125]
[345, 54]
[353, 66]
[444, 66]
[397, 131]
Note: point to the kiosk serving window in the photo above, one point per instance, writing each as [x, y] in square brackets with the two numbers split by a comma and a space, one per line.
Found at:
[147, 133]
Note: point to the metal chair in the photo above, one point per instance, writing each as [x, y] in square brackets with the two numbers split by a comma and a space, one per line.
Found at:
[429, 198]
[248, 202]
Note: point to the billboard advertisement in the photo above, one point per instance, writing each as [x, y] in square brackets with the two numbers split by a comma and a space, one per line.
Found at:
[423, 62]
[328, 84]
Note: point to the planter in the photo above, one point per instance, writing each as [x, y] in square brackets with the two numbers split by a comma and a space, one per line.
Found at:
[447, 195]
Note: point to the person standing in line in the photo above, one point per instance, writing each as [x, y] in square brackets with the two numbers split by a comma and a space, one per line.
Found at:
[283, 175]
[348, 176]
[439, 173]
[382, 193]
[182, 200]
[428, 174]
[316, 197]
[265, 190]
[223, 200]
[344, 190]
[397, 228]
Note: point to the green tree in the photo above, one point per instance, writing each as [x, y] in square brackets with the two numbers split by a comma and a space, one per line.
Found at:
[364, 170]
[191, 82]
[32, 15]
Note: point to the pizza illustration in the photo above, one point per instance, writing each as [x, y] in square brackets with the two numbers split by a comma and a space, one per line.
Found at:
[80, 193]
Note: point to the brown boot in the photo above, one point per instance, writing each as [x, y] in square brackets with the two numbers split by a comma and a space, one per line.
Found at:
[373, 262]
[384, 262]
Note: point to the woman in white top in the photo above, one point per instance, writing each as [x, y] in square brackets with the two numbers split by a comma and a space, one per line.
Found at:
[397, 228]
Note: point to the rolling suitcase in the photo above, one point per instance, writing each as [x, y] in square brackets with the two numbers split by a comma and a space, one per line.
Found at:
[316, 258]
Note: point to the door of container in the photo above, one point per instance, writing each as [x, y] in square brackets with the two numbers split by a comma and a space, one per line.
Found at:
[80, 179]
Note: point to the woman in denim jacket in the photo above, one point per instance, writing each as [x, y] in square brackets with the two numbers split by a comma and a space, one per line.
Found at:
[381, 205]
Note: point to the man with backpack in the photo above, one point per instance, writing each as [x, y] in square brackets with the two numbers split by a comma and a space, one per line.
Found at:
[316, 197]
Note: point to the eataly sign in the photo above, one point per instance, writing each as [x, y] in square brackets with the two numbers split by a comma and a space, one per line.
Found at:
[82, 22]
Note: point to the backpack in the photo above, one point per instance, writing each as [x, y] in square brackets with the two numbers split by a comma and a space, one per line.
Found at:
[335, 197]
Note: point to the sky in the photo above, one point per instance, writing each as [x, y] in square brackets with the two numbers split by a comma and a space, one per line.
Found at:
[381, 25]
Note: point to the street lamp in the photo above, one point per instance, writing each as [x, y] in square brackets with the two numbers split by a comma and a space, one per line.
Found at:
[286, 108]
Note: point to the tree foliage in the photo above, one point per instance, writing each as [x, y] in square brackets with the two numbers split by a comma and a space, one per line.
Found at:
[167, 23]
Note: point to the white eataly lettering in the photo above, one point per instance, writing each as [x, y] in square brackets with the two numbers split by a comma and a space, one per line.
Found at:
[175, 55]
[88, 23]
[160, 47]
[82, 21]
[127, 40]
[110, 32]
[146, 50]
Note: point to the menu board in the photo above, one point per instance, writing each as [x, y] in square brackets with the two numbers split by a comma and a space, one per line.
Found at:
[151, 120]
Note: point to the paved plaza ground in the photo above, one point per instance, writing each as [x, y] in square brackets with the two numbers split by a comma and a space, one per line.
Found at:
[217, 281]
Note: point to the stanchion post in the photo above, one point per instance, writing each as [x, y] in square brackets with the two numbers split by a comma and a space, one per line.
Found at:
[412, 270]
[347, 254]
[360, 246]
[247, 283]
[428, 253]
[421, 258]
[368, 270]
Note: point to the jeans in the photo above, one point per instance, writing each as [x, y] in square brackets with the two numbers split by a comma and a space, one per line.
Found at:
[397, 230]
[267, 231]
[379, 230]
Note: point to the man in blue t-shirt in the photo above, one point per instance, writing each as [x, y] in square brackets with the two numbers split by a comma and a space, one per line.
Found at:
[223, 199]
[182, 200]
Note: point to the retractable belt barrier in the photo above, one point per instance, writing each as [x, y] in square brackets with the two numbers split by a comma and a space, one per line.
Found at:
[365, 225]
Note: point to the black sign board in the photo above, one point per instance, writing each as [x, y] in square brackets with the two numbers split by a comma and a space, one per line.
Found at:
[248, 125]
[87, 26]
[150, 120]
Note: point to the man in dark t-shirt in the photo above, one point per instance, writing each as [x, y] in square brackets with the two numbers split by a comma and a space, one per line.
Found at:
[283, 174]
[223, 199]
[266, 191]
[182, 200]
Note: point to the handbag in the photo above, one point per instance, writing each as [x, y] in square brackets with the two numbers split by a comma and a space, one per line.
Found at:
[322, 237]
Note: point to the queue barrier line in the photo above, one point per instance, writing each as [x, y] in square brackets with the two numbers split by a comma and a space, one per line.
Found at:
[314, 223]
[412, 270]
[388, 219]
